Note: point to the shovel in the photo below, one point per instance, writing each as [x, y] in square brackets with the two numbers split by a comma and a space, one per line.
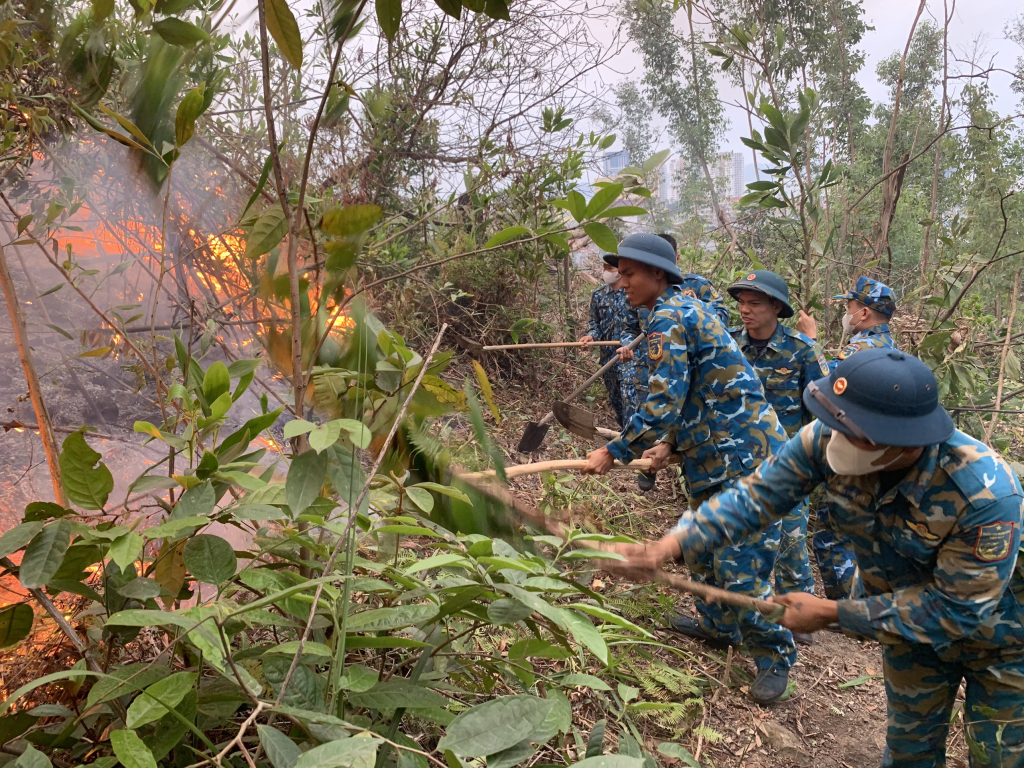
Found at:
[536, 431]
[580, 422]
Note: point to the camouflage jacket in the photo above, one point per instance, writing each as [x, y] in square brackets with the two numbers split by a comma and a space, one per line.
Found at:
[937, 552]
[612, 318]
[875, 336]
[785, 367]
[704, 398]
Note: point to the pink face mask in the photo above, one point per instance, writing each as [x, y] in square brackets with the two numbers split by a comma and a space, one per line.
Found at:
[610, 277]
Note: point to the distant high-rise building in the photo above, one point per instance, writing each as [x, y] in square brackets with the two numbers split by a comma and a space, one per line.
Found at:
[614, 162]
[729, 169]
[739, 171]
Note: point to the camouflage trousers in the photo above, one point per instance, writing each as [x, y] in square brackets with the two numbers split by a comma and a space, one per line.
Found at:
[837, 563]
[793, 567]
[921, 689]
[624, 391]
[746, 568]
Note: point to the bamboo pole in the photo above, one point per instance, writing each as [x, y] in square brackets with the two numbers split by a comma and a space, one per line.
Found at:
[555, 465]
[553, 345]
[35, 392]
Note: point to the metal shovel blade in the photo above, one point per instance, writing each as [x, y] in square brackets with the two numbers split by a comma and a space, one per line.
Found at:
[533, 436]
[580, 422]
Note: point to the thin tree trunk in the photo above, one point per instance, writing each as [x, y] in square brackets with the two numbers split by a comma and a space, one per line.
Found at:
[32, 379]
[1002, 359]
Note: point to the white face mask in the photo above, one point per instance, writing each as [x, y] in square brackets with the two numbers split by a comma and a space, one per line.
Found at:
[847, 459]
[849, 326]
[610, 277]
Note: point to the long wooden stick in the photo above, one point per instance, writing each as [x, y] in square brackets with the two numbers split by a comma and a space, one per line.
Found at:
[642, 465]
[489, 485]
[554, 344]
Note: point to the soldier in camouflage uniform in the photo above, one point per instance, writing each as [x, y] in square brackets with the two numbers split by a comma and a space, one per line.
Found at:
[786, 361]
[935, 519]
[706, 403]
[869, 306]
[613, 319]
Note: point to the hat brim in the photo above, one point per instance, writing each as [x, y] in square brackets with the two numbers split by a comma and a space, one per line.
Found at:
[785, 312]
[883, 429]
[675, 277]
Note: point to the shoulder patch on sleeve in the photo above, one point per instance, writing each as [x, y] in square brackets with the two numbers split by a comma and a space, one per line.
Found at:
[823, 364]
[993, 542]
[655, 345]
[848, 350]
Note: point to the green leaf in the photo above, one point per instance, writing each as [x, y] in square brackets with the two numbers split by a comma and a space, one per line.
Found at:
[446, 490]
[386, 619]
[15, 624]
[126, 549]
[31, 758]
[624, 210]
[87, 481]
[610, 761]
[44, 554]
[310, 648]
[148, 618]
[494, 725]
[587, 681]
[577, 205]
[602, 199]
[350, 221]
[354, 752]
[297, 427]
[602, 236]
[358, 433]
[485, 389]
[859, 681]
[305, 479]
[210, 558]
[679, 752]
[285, 30]
[258, 512]
[655, 161]
[324, 436]
[421, 498]
[281, 751]
[507, 611]
[189, 109]
[130, 750]
[451, 7]
[216, 382]
[397, 693]
[59, 330]
[268, 231]
[124, 680]
[389, 16]
[358, 678]
[509, 233]
[448, 559]
[179, 32]
[162, 696]
[18, 537]
[139, 589]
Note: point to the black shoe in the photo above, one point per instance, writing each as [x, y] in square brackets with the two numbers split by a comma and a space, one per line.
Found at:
[770, 684]
[645, 481]
[803, 638]
[689, 627]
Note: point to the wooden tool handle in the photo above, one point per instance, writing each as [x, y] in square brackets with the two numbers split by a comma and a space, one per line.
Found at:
[553, 344]
[641, 465]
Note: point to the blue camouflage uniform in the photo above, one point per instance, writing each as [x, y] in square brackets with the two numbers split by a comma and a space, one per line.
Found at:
[943, 585]
[785, 366]
[836, 563]
[613, 319]
[706, 401]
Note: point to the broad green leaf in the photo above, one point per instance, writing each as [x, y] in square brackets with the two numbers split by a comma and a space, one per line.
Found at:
[15, 624]
[309, 647]
[446, 490]
[101, 9]
[297, 427]
[189, 109]
[163, 695]
[602, 236]
[389, 16]
[324, 436]
[285, 30]
[354, 752]
[679, 752]
[44, 554]
[173, 527]
[485, 389]
[267, 232]
[507, 611]
[446, 560]
[420, 498]
[509, 233]
[216, 382]
[258, 512]
[125, 550]
[397, 693]
[87, 481]
[169, 571]
[494, 725]
[624, 210]
[603, 198]
[357, 432]
[281, 751]
[386, 619]
[31, 758]
[131, 750]
[149, 618]
[655, 161]
[306, 477]
[350, 221]
[124, 680]
[139, 589]
[210, 558]
[179, 32]
[451, 7]
[358, 678]
[18, 537]
[577, 205]
[587, 681]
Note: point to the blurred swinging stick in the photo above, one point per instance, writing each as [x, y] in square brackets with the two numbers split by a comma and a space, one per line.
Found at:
[487, 483]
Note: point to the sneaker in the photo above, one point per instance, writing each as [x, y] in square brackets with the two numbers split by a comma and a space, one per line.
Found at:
[770, 684]
[803, 638]
[645, 481]
[689, 627]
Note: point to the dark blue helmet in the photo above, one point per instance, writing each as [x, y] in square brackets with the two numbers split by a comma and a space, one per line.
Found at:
[767, 282]
[882, 395]
[649, 249]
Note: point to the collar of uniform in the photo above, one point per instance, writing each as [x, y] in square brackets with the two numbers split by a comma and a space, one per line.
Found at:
[773, 342]
[918, 478]
[874, 330]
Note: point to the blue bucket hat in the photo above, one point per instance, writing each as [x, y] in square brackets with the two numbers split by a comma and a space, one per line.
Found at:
[873, 294]
[882, 395]
[651, 250]
[767, 282]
